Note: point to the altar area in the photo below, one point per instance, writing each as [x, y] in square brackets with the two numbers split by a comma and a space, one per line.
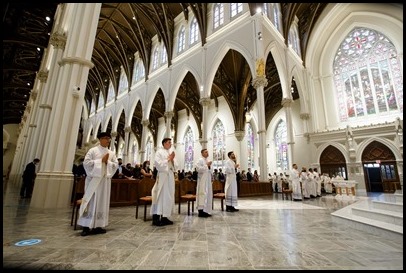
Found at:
[345, 189]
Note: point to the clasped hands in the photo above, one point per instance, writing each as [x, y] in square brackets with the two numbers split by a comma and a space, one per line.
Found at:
[171, 156]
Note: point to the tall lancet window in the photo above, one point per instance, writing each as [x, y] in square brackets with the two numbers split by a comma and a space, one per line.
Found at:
[281, 146]
[218, 17]
[250, 146]
[189, 147]
[219, 145]
[367, 75]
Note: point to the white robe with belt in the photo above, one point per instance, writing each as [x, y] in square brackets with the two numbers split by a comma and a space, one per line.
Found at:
[163, 192]
[95, 207]
[230, 188]
[204, 188]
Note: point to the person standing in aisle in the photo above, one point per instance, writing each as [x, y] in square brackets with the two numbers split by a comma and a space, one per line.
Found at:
[29, 178]
[163, 192]
[296, 189]
[230, 188]
[100, 164]
[204, 189]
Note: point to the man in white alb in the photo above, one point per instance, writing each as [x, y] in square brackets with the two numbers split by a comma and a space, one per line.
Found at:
[204, 188]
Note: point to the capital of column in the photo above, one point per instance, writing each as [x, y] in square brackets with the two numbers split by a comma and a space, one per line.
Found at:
[169, 114]
[28, 109]
[42, 76]
[32, 125]
[201, 141]
[58, 40]
[34, 95]
[304, 116]
[286, 102]
[145, 122]
[204, 101]
[113, 134]
[94, 141]
[259, 81]
[127, 129]
[76, 60]
[239, 135]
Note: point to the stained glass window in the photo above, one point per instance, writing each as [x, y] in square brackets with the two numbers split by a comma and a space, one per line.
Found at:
[100, 105]
[219, 145]
[111, 94]
[250, 146]
[367, 75]
[189, 147]
[148, 149]
[155, 59]
[281, 148]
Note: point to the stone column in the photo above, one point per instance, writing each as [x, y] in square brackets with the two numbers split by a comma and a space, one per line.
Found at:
[144, 137]
[205, 102]
[286, 103]
[113, 141]
[259, 83]
[127, 131]
[168, 116]
[54, 181]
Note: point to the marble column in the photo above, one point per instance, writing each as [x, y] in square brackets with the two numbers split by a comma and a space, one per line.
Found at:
[127, 131]
[113, 141]
[54, 181]
[205, 102]
[144, 137]
[259, 83]
[168, 117]
[286, 103]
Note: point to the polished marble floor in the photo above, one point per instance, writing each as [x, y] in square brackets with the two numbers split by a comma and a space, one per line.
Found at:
[267, 233]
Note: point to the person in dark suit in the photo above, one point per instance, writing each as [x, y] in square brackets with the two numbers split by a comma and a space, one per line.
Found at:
[122, 171]
[28, 179]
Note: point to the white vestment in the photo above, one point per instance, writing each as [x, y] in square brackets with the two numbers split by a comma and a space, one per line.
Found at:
[318, 183]
[95, 207]
[230, 188]
[296, 189]
[163, 192]
[305, 184]
[204, 188]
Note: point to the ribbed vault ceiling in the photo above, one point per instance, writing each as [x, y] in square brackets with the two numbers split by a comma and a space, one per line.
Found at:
[126, 28]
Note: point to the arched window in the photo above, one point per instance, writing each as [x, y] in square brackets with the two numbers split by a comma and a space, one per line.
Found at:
[236, 8]
[181, 40]
[111, 94]
[367, 75]
[250, 146]
[100, 105]
[218, 15]
[194, 34]
[293, 38]
[123, 85]
[276, 16]
[164, 56]
[189, 148]
[219, 145]
[281, 146]
[155, 59]
[93, 107]
[140, 70]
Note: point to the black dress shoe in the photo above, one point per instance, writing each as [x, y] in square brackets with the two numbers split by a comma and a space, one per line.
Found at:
[229, 209]
[234, 209]
[156, 220]
[98, 230]
[85, 231]
[165, 221]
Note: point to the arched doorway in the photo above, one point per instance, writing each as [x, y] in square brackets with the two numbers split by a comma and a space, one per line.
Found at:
[380, 169]
[332, 162]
